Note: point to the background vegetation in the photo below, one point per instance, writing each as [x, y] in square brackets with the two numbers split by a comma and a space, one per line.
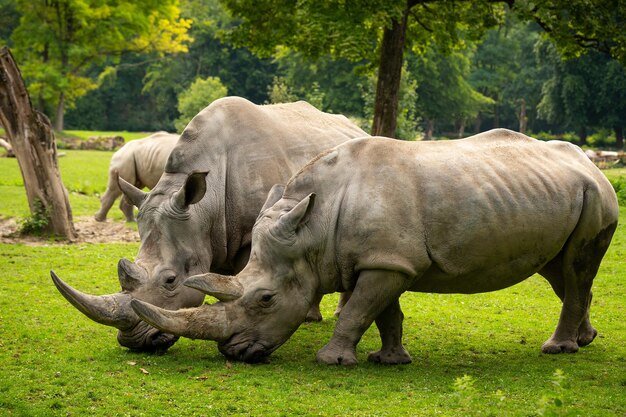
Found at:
[495, 67]
[475, 355]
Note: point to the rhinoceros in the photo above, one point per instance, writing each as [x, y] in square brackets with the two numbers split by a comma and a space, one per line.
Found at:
[199, 217]
[139, 162]
[380, 217]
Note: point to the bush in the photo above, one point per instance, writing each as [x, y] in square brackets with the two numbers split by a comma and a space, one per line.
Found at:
[37, 223]
[619, 184]
[200, 94]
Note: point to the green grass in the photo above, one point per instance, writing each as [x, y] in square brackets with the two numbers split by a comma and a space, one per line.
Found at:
[84, 173]
[472, 354]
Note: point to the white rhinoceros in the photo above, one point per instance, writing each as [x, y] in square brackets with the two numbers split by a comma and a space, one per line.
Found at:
[380, 217]
[199, 217]
[140, 162]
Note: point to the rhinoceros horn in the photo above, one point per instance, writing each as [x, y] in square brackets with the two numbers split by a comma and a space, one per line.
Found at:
[206, 322]
[222, 287]
[134, 194]
[111, 310]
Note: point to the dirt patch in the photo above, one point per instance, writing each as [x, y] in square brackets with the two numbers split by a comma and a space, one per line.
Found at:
[88, 229]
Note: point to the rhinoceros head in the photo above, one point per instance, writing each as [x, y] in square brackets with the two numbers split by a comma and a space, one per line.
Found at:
[172, 248]
[264, 304]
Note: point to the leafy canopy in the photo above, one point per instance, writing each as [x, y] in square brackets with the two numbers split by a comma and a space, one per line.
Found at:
[62, 45]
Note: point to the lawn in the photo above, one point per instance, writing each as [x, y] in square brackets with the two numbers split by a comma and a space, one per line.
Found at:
[472, 354]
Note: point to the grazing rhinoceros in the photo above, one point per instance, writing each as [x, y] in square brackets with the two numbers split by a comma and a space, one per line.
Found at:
[380, 217]
[194, 222]
[139, 162]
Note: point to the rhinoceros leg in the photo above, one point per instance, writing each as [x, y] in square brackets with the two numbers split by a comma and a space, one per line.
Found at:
[579, 262]
[127, 208]
[314, 313]
[107, 200]
[374, 291]
[389, 324]
[552, 272]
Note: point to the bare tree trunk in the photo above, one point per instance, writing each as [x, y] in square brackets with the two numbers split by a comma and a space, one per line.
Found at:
[619, 137]
[582, 135]
[430, 126]
[32, 139]
[389, 74]
[461, 128]
[523, 119]
[58, 121]
[477, 124]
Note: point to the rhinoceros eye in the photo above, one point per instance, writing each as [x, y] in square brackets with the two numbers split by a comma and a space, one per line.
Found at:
[266, 300]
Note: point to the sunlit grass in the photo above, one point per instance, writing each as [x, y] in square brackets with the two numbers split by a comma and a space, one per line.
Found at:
[55, 361]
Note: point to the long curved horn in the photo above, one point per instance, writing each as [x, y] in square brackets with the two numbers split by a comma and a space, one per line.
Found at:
[111, 310]
[222, 287]
[207, 322]
[134, 194]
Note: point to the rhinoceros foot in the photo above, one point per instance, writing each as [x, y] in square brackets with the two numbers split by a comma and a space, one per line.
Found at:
[559, 346]
[336, 355]
[393, 356]
[586, 334]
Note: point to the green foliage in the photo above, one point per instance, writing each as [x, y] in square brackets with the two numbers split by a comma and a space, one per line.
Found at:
[37, 222]
[280, 92]
[619, 184]
[200, 94]
[554, 402]
[59, 45]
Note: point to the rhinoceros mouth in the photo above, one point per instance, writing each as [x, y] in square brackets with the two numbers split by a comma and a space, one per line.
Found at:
[246, 351]
[145, 338]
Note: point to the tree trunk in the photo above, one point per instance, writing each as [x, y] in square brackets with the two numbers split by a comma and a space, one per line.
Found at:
[430, 126]
[389, 74]
[33, 143]
[461, 128]
[619, 137]
[523, 119]
[58, 121]
[477, 124]
[582, 135]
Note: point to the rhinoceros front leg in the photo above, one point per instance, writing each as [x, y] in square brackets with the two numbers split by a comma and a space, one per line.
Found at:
[389, 324]
[374, 291]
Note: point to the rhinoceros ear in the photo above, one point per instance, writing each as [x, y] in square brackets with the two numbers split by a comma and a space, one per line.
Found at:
[222, 287]
[134, 194]
[289, 222]
[273, 196]
[192, 192]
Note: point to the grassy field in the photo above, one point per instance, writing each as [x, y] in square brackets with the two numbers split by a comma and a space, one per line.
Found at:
[475, 355]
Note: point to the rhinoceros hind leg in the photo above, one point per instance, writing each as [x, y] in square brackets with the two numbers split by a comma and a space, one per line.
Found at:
[389, 324]
[374, 291]
[127, 208]
[314, 313]
[343, 299]
[571, 275]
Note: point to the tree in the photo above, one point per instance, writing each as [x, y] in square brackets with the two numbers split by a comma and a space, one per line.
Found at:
[377, 31]
[61, 43]
[200, 94]
[381, 31]
[32, 140]
[443, 91]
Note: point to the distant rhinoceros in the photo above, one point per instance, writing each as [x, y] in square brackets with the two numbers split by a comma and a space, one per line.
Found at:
[380, 217]
[140, 162]
[199, 217]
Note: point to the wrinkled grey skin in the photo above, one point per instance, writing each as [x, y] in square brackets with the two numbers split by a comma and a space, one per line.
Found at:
[380, 217]
[199, 217]
[141, 163]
